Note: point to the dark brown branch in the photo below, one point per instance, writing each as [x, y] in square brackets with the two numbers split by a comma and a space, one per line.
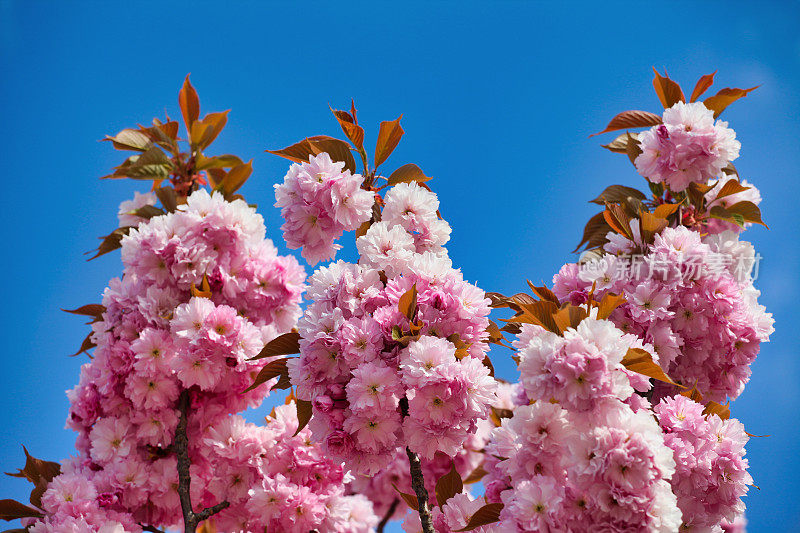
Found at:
[418, 484]
[181, 447]
[388, 515]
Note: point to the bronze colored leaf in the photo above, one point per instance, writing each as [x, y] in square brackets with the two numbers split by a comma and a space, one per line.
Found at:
[214, 123]
[724, 98]
[304, 413]
[651, 225]
[129, 139]
[730, 170]
[300, 152]
[544, 293]
[285, 344]
[350, 126]
[594, 234]
[38, 472]
[448, 485]
[475, 476]
[168, 198]
[407, 304]
[748, 211]
[13, 510]
[218, 161]
[189, 102]
[147, 211]
[631, 119]
[618, 220]
[731, 187]
[488, 514]
[722, 411]
[607, 305]
[641, 362]
[668, 91]
[486, 362]
[169, 128]
[363, 228]
[86, 345]
[236, 178]
[92, 310]
[388, 137]
[665, 210]
[111, 242]
[569, 316]
[406, 174]
[620, 144]
[539, 313]
[271, 370]
[616, 194]
[633, 149]
[702, 86]
[410, 499]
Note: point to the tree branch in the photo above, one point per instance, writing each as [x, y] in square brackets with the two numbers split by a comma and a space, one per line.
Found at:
[181, 447]
[418, 484]
[388, 515]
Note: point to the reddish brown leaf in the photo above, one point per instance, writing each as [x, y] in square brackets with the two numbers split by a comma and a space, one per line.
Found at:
[92, 310]
[235, 178]
[337, 149]
[641, 362]
[702, 86]
[731, 187]
[594, 234]
[724, 98]
[111, 242]
[722, 411]
[668, 91]
[304, 413]
[13, 510]
[544, 293]
[406, 174]
[168, 198]
[189, 102]
[407, 304]
[448, 485]
[607, 305]
[617, 194]
[38, 472]
[285, 344]
[214, 123]
[631, 119]
[410, 499]
[271, 370]
[388, 137]
[620, 144]
[475, 476]
[665, 210]
[488, 514]
[349, 126]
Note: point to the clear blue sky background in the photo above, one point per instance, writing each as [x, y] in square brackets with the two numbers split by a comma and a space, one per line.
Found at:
[498, 101]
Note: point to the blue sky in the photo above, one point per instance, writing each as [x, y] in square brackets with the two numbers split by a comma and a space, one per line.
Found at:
[498, 102]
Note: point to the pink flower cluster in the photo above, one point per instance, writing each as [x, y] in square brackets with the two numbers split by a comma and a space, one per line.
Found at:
[586, 454]
[155, 340]
[688, 302]
[381, 487]
[711, 475]
[360, 358]
[319, 202]
[688, 147]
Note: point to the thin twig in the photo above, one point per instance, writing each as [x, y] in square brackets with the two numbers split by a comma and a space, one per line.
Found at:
[418, 484]
[181, 447]
[388, 515]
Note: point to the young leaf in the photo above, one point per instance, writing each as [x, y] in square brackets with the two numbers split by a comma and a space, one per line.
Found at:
[111, 242]
[631, 119]
[38, 472]
[189, 102]
[92, 310]
[168, 198]
[488, 514]
[214, 123]
[544, 293]
[731, 187]
[607, 305]
[219, 161]
[665, 210]
[620, 144]
[129, 139]
[410, 499]
[448, 485]
[594, 234]
[235, 178]
[406, 174]
[722, 411]
[350, 126]
[724, 98]
[304, 413]
[702, 86]
[86, 345]
[300, 152]
[616, 194]
[641, 362]
[633, 149]
[388, 137]
[475, 476]
[407, 304]
[271, 370]
[12, 510]
[668, 91]
[286, 344]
